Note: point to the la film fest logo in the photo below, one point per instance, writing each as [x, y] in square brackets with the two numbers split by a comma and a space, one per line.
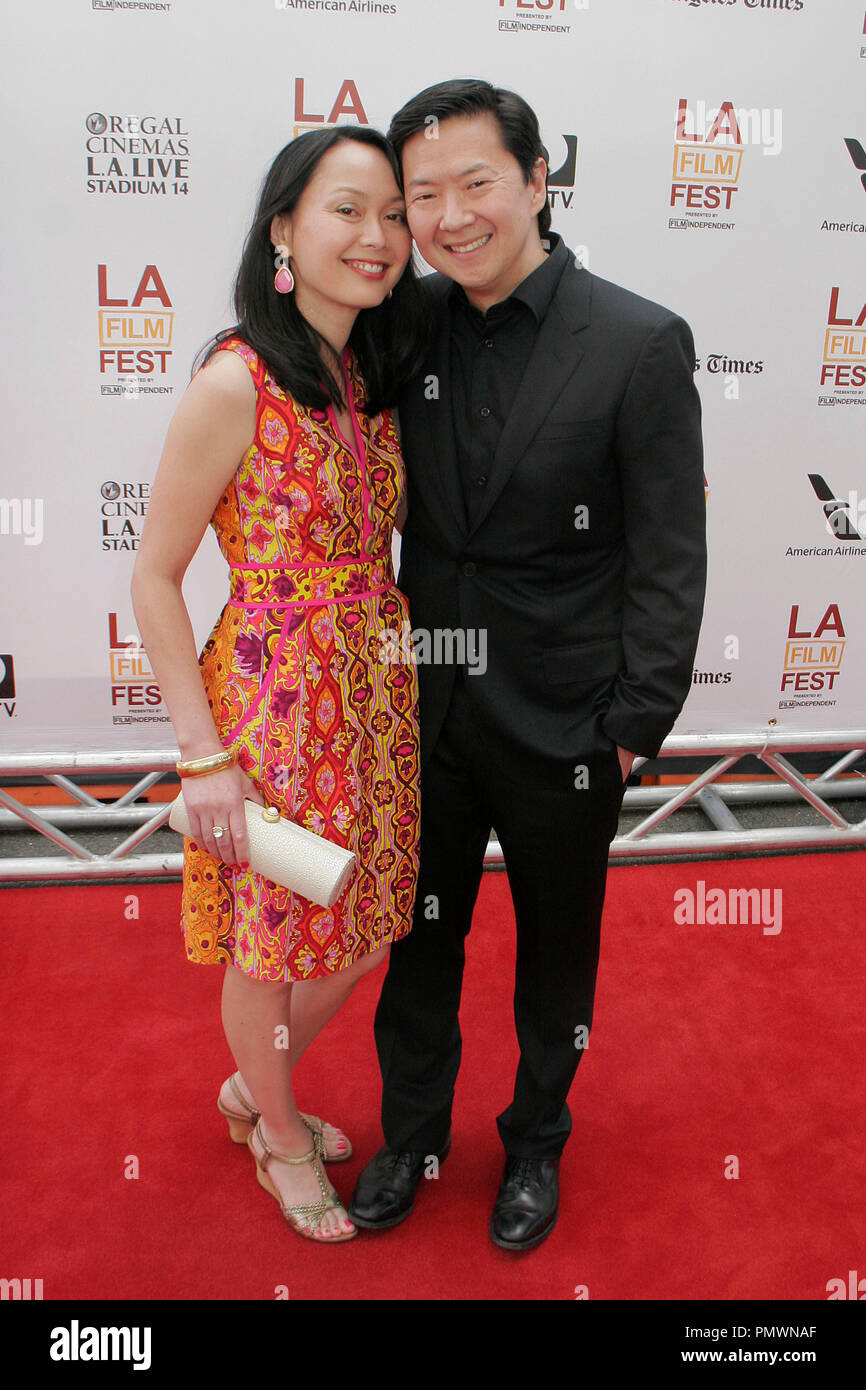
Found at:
[135, 331]
[123, 507]
[528, 16]
[134, 690]
[709, 146]
[345, 106]
[813, 657]
[843, 365]
[137, 154]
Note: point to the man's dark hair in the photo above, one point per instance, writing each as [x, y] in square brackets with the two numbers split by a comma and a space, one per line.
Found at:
[518, 123]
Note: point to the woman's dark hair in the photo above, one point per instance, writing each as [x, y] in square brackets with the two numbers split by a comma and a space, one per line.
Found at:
[387, 340]
[518, 123]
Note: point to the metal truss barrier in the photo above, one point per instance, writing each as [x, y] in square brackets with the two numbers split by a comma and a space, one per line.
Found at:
[724, 834]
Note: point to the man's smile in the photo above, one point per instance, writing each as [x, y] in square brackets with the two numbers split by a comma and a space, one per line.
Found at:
[466, 247]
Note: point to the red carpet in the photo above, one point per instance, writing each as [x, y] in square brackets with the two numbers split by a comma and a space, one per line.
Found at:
[709, 1041]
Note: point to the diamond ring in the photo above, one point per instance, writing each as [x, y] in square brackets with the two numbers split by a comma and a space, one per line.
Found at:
[219, 830]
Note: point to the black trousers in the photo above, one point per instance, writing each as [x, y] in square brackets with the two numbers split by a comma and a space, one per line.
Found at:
[555, 824]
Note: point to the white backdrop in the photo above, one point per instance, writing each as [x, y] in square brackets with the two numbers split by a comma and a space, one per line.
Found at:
[719, 170]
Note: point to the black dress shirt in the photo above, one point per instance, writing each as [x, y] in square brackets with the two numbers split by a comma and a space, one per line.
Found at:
[489, 353]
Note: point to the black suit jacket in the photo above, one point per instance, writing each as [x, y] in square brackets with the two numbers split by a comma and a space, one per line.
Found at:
[591, 628]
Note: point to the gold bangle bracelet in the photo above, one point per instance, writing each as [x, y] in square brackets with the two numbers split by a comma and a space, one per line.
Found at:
[200, 767]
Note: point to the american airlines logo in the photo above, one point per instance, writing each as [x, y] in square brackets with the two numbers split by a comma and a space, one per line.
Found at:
[858, 157]
[842, 517]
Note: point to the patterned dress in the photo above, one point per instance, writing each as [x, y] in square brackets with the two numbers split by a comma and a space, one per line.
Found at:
[323, 722]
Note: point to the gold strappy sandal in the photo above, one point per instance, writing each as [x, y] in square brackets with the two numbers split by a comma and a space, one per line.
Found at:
[240, 1126]
[313, 1211]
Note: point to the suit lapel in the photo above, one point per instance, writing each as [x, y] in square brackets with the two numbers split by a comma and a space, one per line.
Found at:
[554, 359]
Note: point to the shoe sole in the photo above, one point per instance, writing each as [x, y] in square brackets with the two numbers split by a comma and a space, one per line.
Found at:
[518, 1245]
[392, 1221]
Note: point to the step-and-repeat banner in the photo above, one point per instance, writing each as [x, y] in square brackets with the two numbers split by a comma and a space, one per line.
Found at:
[708, 154]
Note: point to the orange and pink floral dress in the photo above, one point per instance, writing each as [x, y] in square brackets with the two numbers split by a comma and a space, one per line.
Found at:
[297, 684]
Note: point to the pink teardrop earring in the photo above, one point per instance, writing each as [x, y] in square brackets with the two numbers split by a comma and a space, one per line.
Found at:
[284, 281]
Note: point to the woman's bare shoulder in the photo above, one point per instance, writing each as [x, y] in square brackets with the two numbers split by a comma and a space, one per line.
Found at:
[225, 376]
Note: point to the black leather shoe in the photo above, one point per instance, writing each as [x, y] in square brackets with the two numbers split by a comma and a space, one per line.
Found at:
[385, 1192]
[527, 1204]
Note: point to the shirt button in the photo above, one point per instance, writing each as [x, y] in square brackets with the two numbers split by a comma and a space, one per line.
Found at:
[481, 480]
[485, 411]
[488, 342]
[468, 568]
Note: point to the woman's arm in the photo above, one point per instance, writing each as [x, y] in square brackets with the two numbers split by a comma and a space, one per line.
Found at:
[210, 432]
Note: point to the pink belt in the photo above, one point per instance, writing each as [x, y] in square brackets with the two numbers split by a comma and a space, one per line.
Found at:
[314, 582]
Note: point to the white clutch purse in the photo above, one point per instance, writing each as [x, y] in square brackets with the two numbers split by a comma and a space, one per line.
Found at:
[286, 853]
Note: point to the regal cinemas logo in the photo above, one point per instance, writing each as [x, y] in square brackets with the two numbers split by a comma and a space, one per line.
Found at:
[843, 367]
[813, 657]
[133, 686]
[135, 332]
[345, 107]
[137, 154]
[708, 158]
[123, 507]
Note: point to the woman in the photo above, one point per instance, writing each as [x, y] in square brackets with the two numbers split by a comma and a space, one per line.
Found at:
[282, 443]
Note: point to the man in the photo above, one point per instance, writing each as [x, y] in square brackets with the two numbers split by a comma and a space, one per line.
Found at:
[556, 513]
